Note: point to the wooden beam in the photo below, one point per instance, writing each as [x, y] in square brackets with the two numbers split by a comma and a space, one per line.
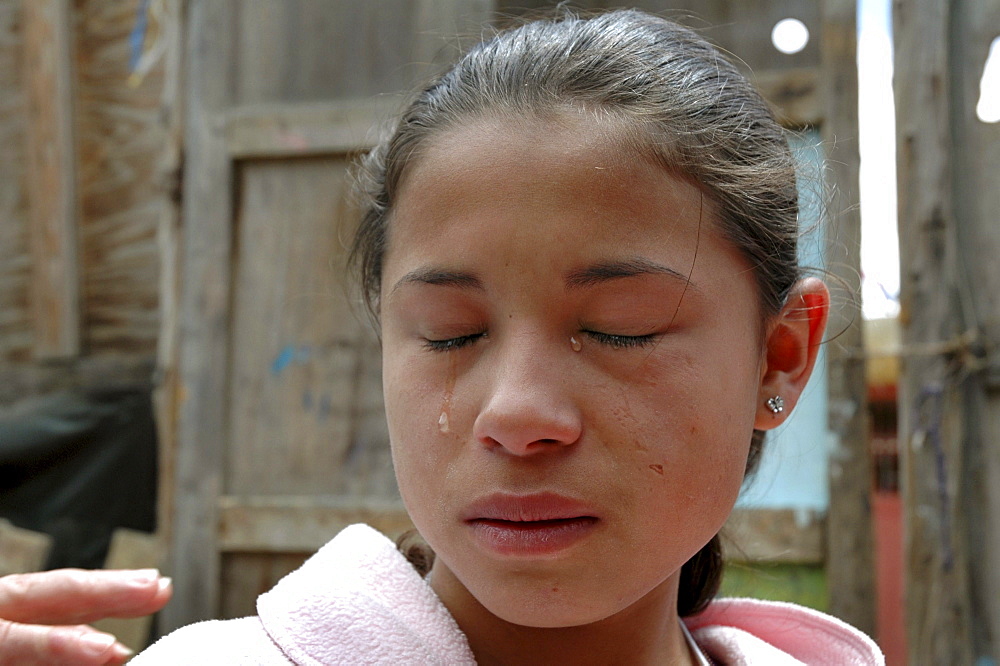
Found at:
[166, 392]
[850, 542]
[775, 536]
[87, 373]
[975, 149]
[51, 177]
[300, 524]
[796, 95]
[131, 549]
[301, 129]
[22, 550]
[206, 270]
[294, 524]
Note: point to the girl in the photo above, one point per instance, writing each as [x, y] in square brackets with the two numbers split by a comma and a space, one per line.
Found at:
[580, 247]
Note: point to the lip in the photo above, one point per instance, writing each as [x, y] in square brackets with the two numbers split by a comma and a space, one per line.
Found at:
[529, 525]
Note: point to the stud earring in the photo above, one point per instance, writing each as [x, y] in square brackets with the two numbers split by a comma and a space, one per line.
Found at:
[776, 404]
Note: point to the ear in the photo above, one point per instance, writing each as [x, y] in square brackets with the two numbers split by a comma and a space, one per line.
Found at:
[791, 346]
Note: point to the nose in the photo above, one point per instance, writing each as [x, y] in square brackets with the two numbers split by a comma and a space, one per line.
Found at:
[529, 408]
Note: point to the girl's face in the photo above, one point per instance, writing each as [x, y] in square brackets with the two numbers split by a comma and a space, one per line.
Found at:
[572, 369]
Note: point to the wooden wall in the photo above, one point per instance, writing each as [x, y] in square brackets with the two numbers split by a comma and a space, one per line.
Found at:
[119, 180]
[126, 177]
[15, 258]
[949, 405]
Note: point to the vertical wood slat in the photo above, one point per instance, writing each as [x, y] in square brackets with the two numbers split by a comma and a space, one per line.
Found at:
[850, 542]
[975, 144]
[51, 177]
[949, 403]
[931, 401]
[204, 311]
[166, 392]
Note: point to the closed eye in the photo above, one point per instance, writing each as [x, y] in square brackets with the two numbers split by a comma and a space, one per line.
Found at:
[451, 344]
[621, 341]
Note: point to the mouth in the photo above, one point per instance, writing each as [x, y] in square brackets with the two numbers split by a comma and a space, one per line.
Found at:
[529, 525]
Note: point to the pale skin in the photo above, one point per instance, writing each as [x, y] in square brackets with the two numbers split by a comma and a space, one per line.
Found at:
[560, 316]
[44, 615]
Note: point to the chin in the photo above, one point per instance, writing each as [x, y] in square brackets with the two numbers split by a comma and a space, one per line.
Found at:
[548, 616]
[543, 607]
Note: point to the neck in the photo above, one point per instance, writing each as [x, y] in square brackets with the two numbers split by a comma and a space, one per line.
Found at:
[648, 632]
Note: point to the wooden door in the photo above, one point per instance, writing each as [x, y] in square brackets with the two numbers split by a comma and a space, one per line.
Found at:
[281, 439]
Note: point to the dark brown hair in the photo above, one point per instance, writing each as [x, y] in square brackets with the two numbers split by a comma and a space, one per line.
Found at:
[680, 101]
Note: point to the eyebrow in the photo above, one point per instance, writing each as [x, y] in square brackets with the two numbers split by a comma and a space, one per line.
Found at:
[598, 273]
[440, 277]
[613, 270]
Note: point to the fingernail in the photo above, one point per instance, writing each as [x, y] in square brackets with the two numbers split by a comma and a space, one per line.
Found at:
[165, 583]
[122, 652]
[97, 644]
[145, 576]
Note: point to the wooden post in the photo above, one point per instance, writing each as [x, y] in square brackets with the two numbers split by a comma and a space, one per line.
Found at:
[949, 403]
[167, 393]
[51, 177]
[976, 202]
[850, 546]
[204, 310]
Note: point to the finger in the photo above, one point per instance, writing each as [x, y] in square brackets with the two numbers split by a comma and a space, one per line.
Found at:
[75, 596]
[26, 644]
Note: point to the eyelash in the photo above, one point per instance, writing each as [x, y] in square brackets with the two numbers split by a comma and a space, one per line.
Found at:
[609, 339]
[621, 341]
[452, 344]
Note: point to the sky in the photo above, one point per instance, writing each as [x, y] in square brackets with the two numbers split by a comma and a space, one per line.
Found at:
[876, 116]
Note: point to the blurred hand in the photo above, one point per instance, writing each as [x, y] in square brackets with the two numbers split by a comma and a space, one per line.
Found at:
[43, 616]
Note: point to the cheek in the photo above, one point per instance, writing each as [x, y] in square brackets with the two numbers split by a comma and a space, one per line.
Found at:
[407, 395]
[690, 424]
[422, 447]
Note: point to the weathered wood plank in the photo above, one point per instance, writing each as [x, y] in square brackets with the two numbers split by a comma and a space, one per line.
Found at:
[22, 550]
[850, 542]
[247, 575]
[128, 167]
[932, 413]
[796, 95]
[294, 524]
[201, 390]
[303, 129]
[131, 550]
[167, 394]
[775, 535]
[121, 371]
[976, 199]
[344, 50]
[15, 254]
[51, 176]
[290, 524]
[305, 355]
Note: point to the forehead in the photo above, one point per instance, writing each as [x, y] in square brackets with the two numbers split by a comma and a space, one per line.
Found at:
[571, 159]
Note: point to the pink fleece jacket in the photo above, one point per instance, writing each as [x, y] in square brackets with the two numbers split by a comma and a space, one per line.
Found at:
[358, 601]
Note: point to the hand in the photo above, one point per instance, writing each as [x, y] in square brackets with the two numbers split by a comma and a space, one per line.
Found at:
[43, 615]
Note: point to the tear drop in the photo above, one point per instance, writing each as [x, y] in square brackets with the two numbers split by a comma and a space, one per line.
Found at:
[575, 344]
[443, 422]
